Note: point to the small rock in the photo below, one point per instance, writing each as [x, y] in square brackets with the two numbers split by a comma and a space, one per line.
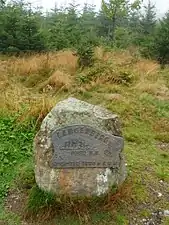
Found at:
[159, 194]
[166, 212]
[160, 213]
[150, 223]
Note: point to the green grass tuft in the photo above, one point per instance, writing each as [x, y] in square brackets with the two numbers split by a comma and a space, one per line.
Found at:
[15, 148]
[39, 199]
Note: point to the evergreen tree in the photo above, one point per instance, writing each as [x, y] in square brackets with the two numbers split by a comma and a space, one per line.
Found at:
[117, 9]
[148, 20]
[55, 29]
[19, 29]
[160, 47]
[119, 22]
[72, 28]
[104, 25]
[88, 25]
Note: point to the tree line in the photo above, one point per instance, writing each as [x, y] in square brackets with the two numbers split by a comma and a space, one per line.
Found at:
[119, 24]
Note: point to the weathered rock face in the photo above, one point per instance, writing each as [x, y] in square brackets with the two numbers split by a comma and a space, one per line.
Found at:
[92, 179]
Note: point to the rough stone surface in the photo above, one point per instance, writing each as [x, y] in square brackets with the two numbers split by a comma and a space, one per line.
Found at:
[76, 181]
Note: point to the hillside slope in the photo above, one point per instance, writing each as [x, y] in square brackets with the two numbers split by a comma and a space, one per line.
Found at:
[134, 88]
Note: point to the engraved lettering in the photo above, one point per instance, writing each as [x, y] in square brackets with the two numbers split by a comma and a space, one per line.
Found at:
[79, 146]
[67, 144]
[101, 137]
[87, 147]
[93, 153]
[87, 130]
[70, 131]
[74, 143]
[106, 140]
[92, 133]
[104, 163]
[58, 134]
[97, 135]
[82, 130]
[76, 130]
[80, 153]
[107, 153]
[64, 133]
[60, 157]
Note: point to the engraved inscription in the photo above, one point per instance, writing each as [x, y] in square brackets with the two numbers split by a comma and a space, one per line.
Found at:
[84, 146]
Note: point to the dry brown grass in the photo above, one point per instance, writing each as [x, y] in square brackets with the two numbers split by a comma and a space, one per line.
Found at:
[21, 79]
[15, 96]
[58, 80]
[150, 79]
[147, 67]
[82, 208]
[144, 73]
[161, 125]
[38, 107]
[116, 57]
[150, 87]
[38, 80]
[29, 65]
[65, 61]
[12, 95]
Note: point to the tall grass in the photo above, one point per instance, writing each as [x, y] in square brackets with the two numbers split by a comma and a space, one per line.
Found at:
[36, 82]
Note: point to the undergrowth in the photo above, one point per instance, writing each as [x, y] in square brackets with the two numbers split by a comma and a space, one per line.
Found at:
[134, 88]
[87, 210]
[15, 148]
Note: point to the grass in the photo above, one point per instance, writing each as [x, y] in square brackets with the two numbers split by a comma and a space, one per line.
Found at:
[39, 199]
[134, 88]
[46, 206]
[15, 148]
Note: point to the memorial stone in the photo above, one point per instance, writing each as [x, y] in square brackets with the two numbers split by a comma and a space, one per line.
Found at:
[79, 150]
